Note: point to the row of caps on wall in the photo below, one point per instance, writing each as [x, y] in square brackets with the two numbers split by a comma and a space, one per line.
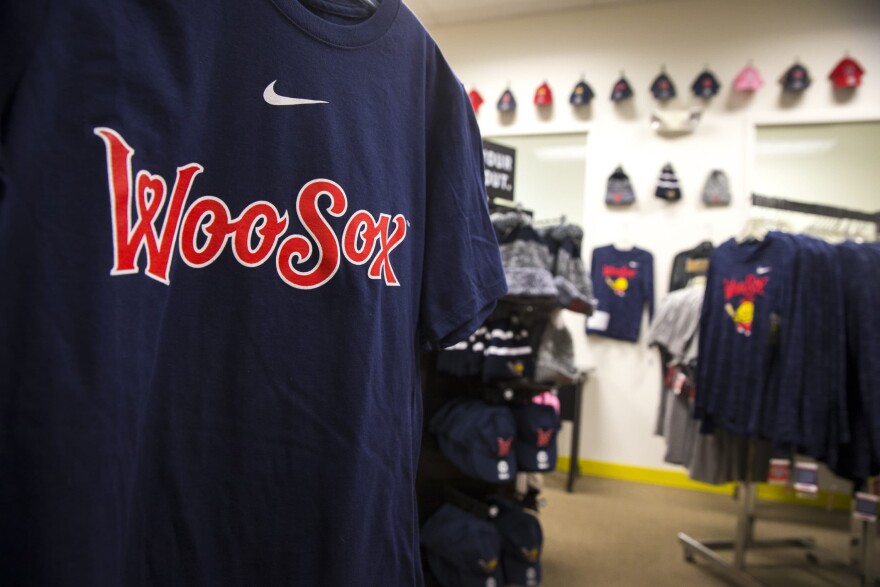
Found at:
[846, 74]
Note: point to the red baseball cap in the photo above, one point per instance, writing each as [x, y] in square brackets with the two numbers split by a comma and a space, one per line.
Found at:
[847, 74]
[543, 95]
[476, 99]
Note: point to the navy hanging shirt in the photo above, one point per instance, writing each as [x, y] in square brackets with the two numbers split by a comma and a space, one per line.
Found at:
[623, 283]
[226, 229]
[751, 330]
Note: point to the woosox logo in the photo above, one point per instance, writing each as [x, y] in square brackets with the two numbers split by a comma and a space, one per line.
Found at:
[254, 234]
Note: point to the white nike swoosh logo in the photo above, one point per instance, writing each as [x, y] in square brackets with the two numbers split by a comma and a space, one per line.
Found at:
[274, 99]
[762, 270]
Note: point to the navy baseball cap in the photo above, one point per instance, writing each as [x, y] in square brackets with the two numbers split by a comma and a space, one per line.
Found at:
[582, 94]
[536, 428]
[478, 438]
[706, 85]
[521, 543]
[621, 90]
[663, 88]
[507, 103]
[796, 78]
[462, 549]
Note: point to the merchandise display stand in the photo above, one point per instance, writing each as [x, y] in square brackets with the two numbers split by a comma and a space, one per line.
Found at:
[863, 544]
[839, 222]
[439, 481]
[744, 539]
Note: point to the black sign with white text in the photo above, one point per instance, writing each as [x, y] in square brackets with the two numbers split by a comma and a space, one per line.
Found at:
[499, 165]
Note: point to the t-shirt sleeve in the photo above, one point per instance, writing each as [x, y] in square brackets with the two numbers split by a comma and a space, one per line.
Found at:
[462, 275]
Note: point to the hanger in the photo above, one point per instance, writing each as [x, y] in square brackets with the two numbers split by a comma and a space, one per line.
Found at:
[622, 242]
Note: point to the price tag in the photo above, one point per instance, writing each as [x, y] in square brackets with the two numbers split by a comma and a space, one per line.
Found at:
[806, 479]
[865, 507]
[780, 472]
[678, 384]
[599, 321]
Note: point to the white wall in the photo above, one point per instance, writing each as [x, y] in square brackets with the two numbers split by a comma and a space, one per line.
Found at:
[620, 403]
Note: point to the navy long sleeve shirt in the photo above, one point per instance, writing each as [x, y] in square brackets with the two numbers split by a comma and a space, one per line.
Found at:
[749, 318]
[623, 283]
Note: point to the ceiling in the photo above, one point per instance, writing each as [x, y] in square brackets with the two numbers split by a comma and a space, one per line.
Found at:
[442, 12]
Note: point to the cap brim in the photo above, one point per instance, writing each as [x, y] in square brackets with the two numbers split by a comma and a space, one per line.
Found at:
[529, 457]
[491, 468]
[520, 572]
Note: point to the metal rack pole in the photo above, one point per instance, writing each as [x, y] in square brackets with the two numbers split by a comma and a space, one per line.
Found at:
[866, 552]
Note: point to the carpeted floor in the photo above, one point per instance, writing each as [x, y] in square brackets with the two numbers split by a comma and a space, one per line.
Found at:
[616, 533]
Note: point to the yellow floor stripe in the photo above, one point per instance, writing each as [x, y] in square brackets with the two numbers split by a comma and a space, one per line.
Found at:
[680, 480]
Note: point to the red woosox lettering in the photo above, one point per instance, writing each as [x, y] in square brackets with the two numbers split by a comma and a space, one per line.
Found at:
[365, 238]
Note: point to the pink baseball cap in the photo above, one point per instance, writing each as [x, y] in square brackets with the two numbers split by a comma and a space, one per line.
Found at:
[748, 80]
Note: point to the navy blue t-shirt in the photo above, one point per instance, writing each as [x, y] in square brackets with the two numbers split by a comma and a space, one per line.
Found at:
[623, 283]
[226, 230]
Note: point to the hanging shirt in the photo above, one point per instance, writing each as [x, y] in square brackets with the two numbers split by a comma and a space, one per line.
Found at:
[689, 264]
[748, 318]
[859, 264]
[226, 230]
[623, 283]
[677, 321]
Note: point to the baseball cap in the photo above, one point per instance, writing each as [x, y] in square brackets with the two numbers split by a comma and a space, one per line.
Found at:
[716, 192]
[507, 103]
[581, 95]
[536, 428]
[847, 74]
[477, 438]
[621, 90]
[668, 187]
[521, 543]
[543, 95]
[795, 79]
[748, 80]
[620, 191]
[462, 549]
[476, 99]
[706, 85]
[663, 88]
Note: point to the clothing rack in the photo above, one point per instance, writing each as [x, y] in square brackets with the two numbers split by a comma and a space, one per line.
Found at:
[555, 220]
[814, 209]
[503, 205]
[863, 542]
